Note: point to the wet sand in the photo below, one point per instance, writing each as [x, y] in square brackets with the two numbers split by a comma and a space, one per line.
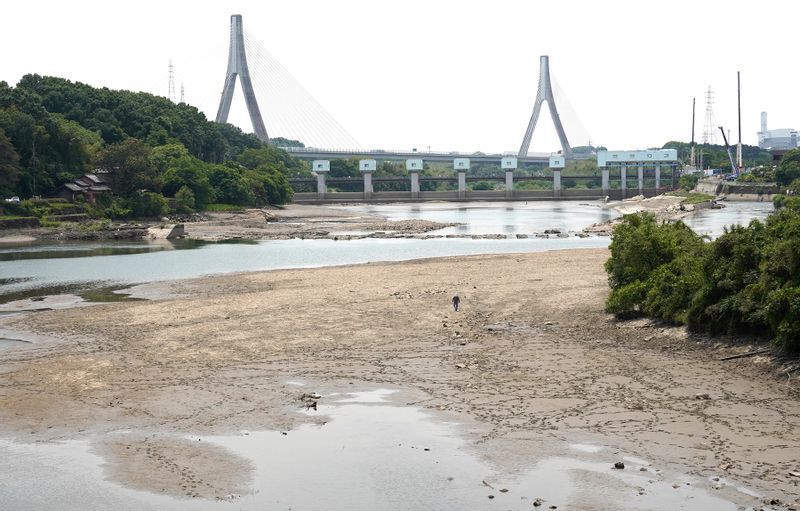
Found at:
[530, 364]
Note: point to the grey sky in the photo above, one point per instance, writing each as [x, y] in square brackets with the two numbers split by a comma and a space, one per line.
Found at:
[457, 75]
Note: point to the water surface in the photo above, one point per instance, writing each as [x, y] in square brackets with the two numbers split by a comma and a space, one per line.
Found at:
[497, 217]
[49, 268]
[370, 454]
[712, 222]
[67, 274]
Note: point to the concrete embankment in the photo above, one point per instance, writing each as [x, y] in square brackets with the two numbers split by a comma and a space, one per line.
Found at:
[759, 192]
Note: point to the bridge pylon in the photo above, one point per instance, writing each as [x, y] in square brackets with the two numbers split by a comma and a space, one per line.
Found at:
[545, 93]
[237, 66]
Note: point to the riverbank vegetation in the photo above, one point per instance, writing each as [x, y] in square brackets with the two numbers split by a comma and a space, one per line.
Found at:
[146, 148]
[747, 281]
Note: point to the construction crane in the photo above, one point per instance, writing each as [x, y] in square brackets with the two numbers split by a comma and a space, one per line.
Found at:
[728, 149]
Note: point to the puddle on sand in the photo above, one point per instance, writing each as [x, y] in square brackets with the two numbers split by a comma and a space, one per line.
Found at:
[375, 455]
[371, 454]
[12, 343]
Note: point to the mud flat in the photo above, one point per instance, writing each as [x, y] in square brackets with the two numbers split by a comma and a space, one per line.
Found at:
[529, 367]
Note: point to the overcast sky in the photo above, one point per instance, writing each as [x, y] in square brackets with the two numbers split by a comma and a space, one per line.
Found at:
[452, 75]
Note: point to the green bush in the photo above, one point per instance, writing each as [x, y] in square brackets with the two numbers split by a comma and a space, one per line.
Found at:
[789, 168]
[117, 210]
[689, 181]
[147, 205]
[483, 185]
[747, 281]
[184, 200]
[218, 207]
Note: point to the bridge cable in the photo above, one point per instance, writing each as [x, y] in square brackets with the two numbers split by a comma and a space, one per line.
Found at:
[286, 93]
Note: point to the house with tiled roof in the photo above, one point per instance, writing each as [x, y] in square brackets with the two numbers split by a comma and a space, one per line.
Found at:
[87, 187]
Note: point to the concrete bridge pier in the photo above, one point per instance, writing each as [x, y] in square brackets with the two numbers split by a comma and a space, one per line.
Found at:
[605, 185]
[321, 169]
[658, 177]
[509, 164]
[322, 188]
[557, 163]
[367, 167]
[641, 179]
[556, 183]
[623, 179]
[413, 166]
[461, 165]
[414, 185]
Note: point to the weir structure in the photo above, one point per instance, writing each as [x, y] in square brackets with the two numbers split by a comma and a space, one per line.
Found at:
[545, 93]
[237, 66]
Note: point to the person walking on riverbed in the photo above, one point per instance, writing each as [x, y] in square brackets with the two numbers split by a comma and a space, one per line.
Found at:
[456, 302]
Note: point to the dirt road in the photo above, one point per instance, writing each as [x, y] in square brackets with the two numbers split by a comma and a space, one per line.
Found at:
[530, 361]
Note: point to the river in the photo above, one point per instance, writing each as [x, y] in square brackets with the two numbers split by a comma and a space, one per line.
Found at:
[36, 269]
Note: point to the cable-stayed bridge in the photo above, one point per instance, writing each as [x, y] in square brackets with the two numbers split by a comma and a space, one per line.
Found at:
[297, 115]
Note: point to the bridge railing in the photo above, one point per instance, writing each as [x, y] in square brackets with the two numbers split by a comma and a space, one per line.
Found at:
[412, 153]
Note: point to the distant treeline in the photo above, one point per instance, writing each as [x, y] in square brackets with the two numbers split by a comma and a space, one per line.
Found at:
[715, 156]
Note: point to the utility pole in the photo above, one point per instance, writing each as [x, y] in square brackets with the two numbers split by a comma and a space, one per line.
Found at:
[33, 159]
[739, 164]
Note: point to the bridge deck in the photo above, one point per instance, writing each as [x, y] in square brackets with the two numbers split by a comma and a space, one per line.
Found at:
[306, 153]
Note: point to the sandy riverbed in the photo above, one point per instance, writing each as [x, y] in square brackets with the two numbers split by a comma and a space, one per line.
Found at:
[530, 363]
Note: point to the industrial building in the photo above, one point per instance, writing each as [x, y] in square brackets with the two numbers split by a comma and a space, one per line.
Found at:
[776, 140]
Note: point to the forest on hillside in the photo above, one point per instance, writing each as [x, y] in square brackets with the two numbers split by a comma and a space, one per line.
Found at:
[53, 131]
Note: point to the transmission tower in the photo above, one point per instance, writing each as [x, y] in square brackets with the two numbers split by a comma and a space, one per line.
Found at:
[544, 93]
[171, 89]
[237, 66]
[708, 128]
[183, 94]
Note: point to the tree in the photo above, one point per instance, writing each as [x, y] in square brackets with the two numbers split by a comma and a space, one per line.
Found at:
[184, 200]
[128, 163]
[789, 168]
[192, 173]
[147, 204]
[164, 156]
[688, 182]
[10, 171]
[269, 186]
[230, 185]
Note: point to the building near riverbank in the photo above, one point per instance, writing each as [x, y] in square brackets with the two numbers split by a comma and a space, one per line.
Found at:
[86, 187]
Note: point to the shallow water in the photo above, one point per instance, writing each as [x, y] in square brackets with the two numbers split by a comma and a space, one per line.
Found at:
[39, 269]
[497, 217]
[63, 274]
[712, 222]
[371, 454]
